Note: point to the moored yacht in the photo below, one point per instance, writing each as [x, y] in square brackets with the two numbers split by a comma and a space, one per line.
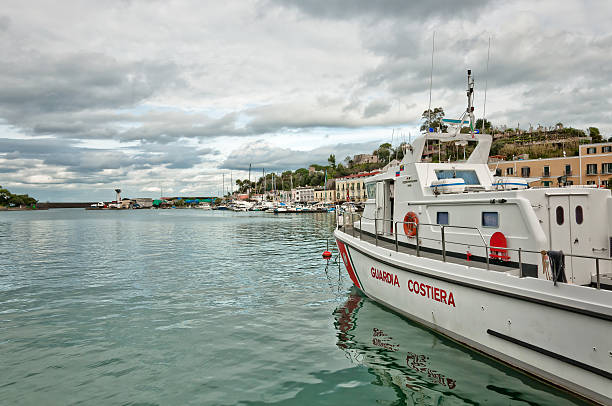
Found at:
[521, 274]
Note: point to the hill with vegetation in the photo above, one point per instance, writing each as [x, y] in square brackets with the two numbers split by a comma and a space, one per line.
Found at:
[8, 199]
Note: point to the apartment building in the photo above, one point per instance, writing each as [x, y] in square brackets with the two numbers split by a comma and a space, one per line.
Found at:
[303, 194]
[326, 196]
[592, 166]
[352, 187]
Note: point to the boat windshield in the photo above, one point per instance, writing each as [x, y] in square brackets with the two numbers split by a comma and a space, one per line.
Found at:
[371, 190]
[469, 176]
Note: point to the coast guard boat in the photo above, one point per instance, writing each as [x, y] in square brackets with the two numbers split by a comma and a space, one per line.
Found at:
[521, 274]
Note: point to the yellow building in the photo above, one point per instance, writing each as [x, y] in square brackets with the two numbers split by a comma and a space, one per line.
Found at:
[592, 166]
[352, 187]
[325, 196]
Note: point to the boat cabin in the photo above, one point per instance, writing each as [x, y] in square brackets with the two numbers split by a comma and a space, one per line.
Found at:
[462, 210]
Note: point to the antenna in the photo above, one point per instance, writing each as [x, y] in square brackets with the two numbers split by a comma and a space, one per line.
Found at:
[484, 106]
[470, 96]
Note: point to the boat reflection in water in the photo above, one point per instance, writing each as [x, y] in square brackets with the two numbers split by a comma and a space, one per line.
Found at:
[422, 367]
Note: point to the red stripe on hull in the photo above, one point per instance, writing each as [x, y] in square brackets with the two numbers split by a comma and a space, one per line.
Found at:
[347, 263]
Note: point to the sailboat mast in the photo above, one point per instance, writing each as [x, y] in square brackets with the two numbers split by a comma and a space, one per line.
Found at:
[325, 186]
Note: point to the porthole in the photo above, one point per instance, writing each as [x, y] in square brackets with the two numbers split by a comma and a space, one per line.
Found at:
[579, 216]
[560, 215]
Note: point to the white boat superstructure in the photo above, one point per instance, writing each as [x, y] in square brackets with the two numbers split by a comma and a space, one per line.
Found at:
[241, 205]
[479, 258]
[204, 206]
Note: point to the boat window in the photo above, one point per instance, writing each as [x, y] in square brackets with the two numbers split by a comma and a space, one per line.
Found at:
[490, 219]
[560, 215]
[579, 216]
[371, 190]
[469, 176]
[442, 217]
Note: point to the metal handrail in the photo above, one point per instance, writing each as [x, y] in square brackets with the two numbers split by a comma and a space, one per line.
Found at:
[484, 241]
[487, 247]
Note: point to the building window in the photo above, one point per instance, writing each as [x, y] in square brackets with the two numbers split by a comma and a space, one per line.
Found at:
[546, 183]
[605, 183]
[510, 171]
[591, 150]
[579, 216]
[590, 182]
[568, 169]
[607, 148]
[560, 215]
[591, 169]
[490, 219]
[606, 168]
[442, 217]
[569, 183]
[547, 171]
[525, 171]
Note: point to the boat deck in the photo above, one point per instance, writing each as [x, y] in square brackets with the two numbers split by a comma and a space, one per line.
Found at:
[354, 231]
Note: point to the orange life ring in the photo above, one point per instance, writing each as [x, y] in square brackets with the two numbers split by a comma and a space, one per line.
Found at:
[410, 224]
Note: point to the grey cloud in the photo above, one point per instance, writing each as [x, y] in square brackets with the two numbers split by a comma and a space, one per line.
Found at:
[271, 66]
[375, 108]
[342, 9]
[5, 22]
[38, 83]
[82, 160]
[263, 155]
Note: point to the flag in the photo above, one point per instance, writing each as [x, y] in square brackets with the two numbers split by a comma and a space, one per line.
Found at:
[397, 173]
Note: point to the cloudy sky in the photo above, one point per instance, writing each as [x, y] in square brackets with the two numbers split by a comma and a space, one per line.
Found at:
[168, 94]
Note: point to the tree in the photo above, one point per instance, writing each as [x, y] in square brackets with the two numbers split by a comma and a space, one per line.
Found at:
[5, 196]
[433, 120]
[9, 199]
[384, 152]
[348, 161]
[398, 152]
[478, 125]
[332, 161]
[595, 135]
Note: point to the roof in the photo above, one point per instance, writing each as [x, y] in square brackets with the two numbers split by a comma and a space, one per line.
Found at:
[360, 175]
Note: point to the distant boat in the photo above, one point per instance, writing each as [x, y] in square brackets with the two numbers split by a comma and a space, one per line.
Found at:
[204, 206]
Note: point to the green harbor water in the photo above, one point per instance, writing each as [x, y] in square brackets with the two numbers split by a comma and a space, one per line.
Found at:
[190, 307]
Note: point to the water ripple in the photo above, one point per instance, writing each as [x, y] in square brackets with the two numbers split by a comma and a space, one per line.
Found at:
[193, 307]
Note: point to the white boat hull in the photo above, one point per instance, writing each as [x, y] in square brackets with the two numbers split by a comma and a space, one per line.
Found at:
[562, 333]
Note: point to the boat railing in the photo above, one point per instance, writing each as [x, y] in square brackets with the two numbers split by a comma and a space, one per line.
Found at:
[488, 248]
